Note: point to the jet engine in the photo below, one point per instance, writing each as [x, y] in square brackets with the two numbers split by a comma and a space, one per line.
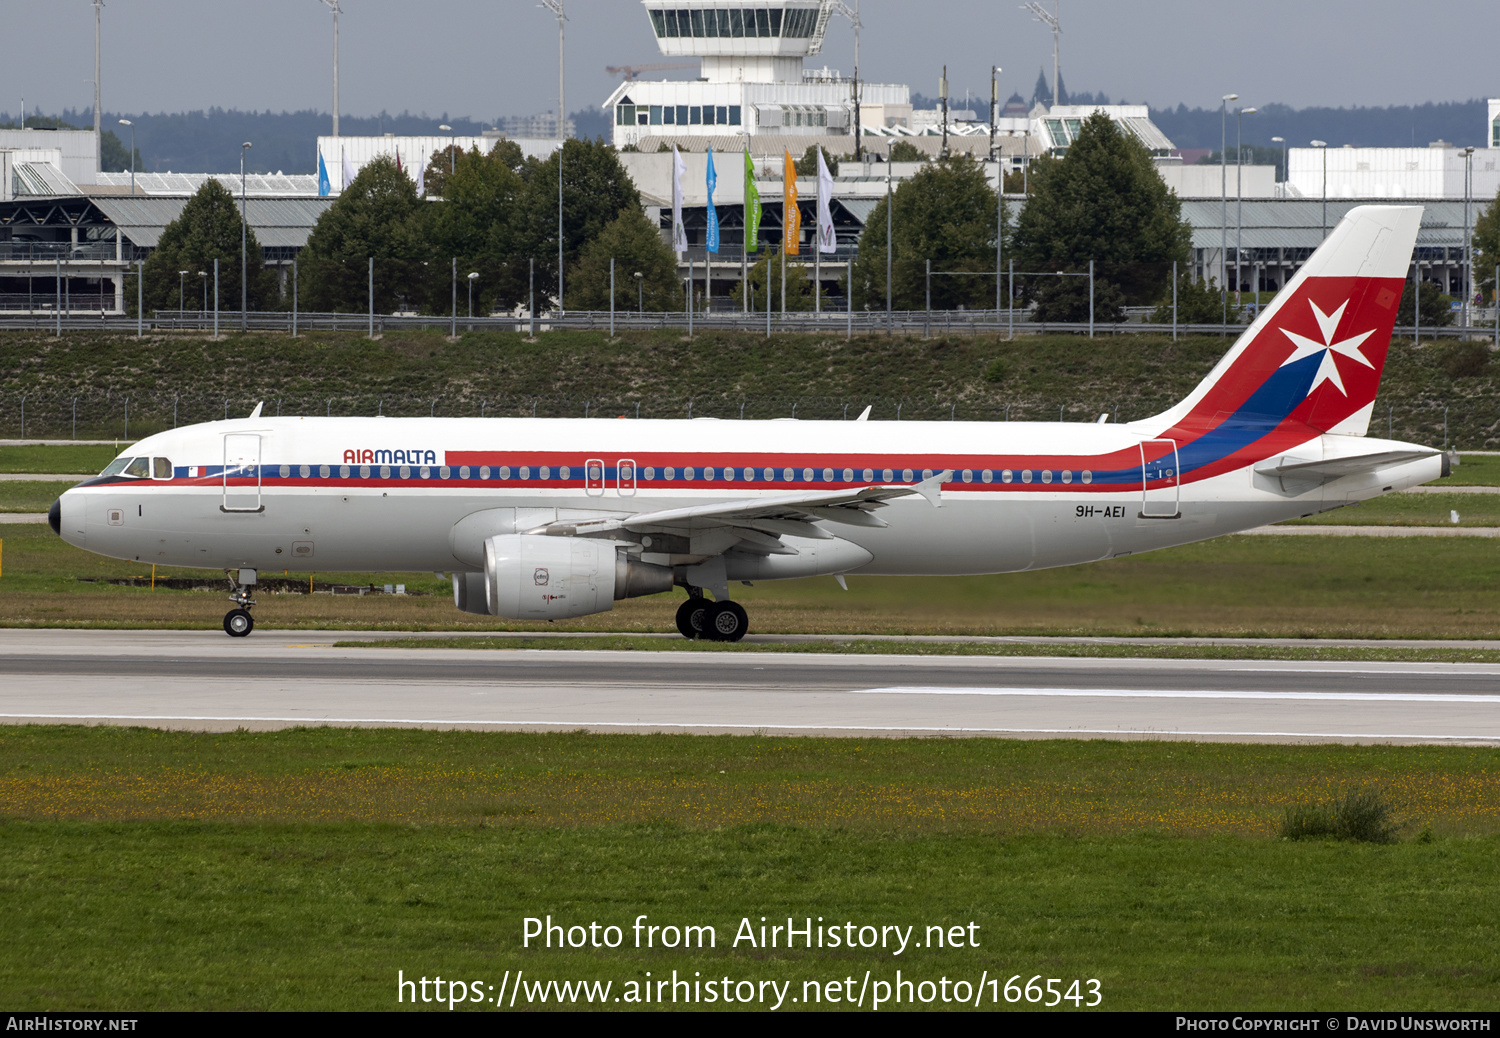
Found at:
[536, 577]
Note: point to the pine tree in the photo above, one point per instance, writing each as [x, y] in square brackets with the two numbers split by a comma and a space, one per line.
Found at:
[1103, 201]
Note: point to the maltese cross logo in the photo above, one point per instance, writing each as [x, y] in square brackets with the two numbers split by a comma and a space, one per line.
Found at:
[1328, 370]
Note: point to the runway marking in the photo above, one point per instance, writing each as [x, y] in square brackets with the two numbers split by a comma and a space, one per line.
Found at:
[659, 725]
[1126, 693]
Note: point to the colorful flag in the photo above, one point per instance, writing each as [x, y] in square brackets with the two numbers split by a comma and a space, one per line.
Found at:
[827, 239]
[398, 161]
[713, 214]
[324, 187]
[679, 233]
[752, 206]
[791, 216]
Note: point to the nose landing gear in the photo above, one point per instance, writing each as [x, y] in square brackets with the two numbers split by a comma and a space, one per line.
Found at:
[699, 618]
[238, 622]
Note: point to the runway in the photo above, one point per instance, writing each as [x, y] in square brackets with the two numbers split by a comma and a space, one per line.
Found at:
[277, 679]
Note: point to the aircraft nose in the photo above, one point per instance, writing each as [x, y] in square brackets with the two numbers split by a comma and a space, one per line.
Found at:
[54, 517]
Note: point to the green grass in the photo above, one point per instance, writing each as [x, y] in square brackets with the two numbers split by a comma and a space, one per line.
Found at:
[1474, 470]
[302, 869]
[1321, 587]
[1412, 510]
[17, 495]
[84, 460]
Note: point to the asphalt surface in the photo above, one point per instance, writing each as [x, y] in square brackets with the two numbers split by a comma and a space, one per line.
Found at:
[206, 681]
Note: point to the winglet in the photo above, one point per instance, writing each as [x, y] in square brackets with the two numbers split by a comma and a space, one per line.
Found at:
[256, 412]
[864, 416]
[932, 487]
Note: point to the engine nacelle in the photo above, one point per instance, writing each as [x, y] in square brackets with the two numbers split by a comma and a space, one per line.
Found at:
[536, 577]
[469, 594]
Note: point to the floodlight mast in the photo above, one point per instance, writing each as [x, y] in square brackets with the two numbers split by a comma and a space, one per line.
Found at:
[841, 8]
[556, 7]
[1050, 19]
[98, 124]
[333, 5]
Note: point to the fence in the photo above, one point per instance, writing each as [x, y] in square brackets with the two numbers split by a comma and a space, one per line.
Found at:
[1473, 424]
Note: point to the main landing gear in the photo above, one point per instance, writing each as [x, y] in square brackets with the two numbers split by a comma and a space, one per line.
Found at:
[700, 618]
[238, 622]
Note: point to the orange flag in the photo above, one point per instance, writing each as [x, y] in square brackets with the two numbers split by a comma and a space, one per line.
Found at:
[791, 216]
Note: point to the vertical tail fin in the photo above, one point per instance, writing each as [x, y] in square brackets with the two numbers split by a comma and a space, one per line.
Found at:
[1314, 356]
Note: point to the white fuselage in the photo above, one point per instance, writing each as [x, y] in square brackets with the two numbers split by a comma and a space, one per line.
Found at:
[385, 494]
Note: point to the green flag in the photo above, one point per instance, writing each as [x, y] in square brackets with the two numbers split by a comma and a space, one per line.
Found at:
[752, 205]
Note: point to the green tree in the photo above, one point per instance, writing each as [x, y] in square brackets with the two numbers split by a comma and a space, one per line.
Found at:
[807, 165]
[1486, 249]
[906, 151]
[114, 156]
[636, 247]
[946, 214]
[1437, 308]
[376, 216]
[1198, 302]
[1103, 201]
[208, 228]
[799, 286]
[596, 190]
[475, 222]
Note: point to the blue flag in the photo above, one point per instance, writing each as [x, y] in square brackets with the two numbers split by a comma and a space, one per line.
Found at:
[713, 215]
[324, 187]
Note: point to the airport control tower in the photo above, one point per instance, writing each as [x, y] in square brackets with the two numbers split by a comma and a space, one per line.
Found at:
[753, 80]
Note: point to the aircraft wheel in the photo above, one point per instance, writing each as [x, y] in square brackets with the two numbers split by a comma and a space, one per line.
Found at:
[726, 622]
[691, 616]
[238, 623]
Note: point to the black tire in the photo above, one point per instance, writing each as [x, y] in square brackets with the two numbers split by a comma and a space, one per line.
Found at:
[726, 622]
[691, 616]
[238, 623]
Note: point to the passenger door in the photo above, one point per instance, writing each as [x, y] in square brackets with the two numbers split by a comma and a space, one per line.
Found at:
[242, 473]
[1161, 490]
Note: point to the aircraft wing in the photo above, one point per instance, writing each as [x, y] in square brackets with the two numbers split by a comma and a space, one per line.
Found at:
[760, 522]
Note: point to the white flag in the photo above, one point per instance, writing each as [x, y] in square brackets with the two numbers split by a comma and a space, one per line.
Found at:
[348, 173]
[827, 240]
[679, 233]
[421, 180]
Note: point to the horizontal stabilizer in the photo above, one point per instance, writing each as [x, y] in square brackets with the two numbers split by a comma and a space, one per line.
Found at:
[1296, 469]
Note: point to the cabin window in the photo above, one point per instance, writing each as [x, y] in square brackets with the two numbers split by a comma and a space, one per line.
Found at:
[286, 471]
[463, 472]
[406, 472]
[1025, 475]
[687, 473]
[385, 472]
[161, 468]
[546, 472]
[1088, 477]
[564, 472]
[1067, 477]
[669, 473]
[1006, 476]
[968, 475]
[1046, 475]
[987, 475]
[305, 471]
[322, 471]
[525, 471]
[343, 472]
[828, 475]
[504, 472]
[906, 476]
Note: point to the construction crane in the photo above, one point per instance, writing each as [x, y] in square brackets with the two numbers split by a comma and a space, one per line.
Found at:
[631, 71]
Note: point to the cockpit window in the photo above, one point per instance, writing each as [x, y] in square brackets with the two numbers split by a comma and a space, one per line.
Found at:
[139, 467]
[116, 467]
[161, 468]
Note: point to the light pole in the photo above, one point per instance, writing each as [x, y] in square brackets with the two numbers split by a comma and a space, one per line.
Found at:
[201, 313]
[994, 107]
[1050, 19]
[556, 7]
[244, 272]
[1468, 271]
[1323, 146]
[1239, 195]
[1286, 174]
[640, 293]
[127, 122]
[333, 5]
[452, 143]
[181, 276]
[1224, 199]
[98, 128]
[472, 276]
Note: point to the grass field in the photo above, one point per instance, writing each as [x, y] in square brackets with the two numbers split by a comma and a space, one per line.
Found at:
[85, 460]
[302, 869]
[1326, 587]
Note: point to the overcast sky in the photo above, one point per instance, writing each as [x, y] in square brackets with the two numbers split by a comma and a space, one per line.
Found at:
[484, 58]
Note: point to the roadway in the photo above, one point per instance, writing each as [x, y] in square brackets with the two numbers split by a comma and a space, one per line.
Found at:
[277, 679]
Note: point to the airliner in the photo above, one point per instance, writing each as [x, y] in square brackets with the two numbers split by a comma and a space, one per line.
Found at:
[547, 519]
